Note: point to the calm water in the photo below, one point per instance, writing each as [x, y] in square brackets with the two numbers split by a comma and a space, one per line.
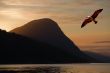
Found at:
[56, 68]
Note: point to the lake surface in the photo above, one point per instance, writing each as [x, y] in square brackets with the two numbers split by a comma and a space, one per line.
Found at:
[56, 68]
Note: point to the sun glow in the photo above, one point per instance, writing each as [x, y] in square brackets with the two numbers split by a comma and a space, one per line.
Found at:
[11, 13]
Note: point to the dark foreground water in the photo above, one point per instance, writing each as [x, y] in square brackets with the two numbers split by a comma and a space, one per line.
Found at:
[56, 68]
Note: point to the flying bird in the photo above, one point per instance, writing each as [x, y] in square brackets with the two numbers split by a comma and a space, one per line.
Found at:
[91, 18]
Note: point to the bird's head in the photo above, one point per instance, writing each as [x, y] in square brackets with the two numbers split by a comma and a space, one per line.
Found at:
[88, 16]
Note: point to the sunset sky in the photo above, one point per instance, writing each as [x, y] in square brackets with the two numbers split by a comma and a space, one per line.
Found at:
[69, 14]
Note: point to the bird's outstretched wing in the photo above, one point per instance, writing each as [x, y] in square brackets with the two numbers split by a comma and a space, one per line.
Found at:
[96, 13]
[85, 22]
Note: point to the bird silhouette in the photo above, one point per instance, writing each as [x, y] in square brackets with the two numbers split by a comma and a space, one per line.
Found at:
[91, 18]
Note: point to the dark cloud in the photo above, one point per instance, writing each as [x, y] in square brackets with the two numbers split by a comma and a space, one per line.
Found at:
[95, 46]
[102, 42]
[2, 4]
[23, 6]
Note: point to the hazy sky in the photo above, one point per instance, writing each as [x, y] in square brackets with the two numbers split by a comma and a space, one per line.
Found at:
[69, 14]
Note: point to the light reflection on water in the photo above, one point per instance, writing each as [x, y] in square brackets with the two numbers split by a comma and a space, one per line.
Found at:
[56, 68]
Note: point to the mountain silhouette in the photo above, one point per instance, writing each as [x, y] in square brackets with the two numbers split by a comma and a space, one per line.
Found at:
[17, 49]
[46, 30]
[39, 41]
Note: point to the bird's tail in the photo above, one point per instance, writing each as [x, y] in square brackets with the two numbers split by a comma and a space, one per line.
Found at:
[95, 22]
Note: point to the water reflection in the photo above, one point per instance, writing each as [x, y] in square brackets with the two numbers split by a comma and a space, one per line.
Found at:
[64, 68]
[33, 70]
